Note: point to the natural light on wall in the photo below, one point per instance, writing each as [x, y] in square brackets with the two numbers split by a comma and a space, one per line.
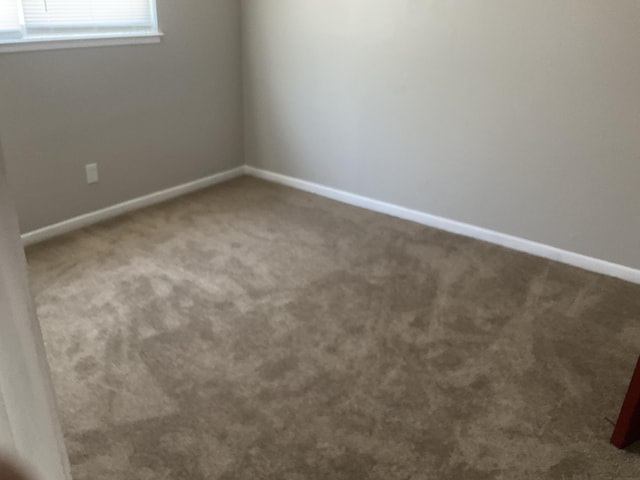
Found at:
[29, 21]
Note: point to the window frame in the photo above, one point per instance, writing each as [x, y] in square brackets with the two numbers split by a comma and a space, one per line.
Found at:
[26, 43]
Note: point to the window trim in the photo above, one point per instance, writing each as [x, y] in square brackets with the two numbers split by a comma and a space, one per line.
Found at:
[78, 41]
[84, 40]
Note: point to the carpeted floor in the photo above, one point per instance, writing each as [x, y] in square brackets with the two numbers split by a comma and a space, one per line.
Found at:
[252, 331]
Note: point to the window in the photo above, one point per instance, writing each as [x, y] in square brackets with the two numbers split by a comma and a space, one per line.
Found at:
[37, 21]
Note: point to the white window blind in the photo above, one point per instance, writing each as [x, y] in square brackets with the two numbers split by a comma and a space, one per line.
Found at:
[42, 16]
[35, 19]
[9, 18]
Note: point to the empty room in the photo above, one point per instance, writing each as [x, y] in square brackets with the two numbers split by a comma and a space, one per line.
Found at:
[319, 239]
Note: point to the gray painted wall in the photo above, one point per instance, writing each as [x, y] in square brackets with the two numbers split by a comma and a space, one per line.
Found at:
[517, 116]
[151, 116]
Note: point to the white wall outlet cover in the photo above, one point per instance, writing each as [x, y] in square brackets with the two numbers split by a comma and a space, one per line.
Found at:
[92, 173]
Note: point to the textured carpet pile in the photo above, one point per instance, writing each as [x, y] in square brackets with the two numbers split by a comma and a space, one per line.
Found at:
[251, 331]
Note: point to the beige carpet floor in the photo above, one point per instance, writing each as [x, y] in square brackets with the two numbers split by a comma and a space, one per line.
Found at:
[251, 331]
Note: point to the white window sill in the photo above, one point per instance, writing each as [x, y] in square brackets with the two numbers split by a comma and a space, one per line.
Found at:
[77, 41]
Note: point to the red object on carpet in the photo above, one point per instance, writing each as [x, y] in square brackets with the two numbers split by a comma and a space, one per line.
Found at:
[627, 429]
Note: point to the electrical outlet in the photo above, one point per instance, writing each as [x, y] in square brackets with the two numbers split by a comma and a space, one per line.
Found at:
[92, 173]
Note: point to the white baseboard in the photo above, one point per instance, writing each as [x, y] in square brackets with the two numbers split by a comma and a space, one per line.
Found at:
[534, 248]
[128, 206]
[515, 243]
